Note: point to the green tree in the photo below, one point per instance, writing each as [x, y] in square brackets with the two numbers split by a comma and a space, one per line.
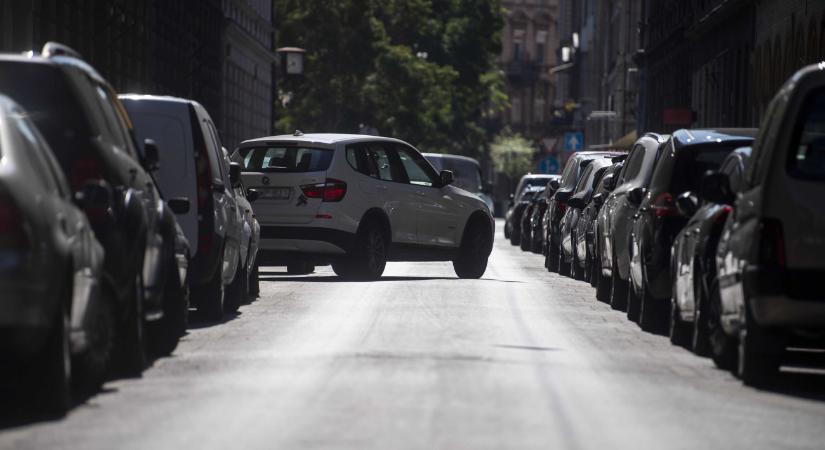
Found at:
[420, 70]
[512, 155]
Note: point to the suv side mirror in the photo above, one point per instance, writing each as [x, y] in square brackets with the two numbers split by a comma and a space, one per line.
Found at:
[636, 195]
[598, 199]
[234, 174]
[609, 182]
[151, 155]
[687, 204]
[94, 195]
[447, 177]
[576, 203]
[716, 188]
[554, 184]
[179, 205]
[252, 195]
[562, 196]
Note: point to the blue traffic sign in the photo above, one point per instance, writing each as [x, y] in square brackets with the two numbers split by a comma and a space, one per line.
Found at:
[549, 164]
[574, 141]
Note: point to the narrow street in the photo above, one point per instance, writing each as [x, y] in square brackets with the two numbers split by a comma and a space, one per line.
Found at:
[420, 359]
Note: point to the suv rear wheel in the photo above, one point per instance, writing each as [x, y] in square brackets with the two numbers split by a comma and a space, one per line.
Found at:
[238, 291]
[369, 258]
[210, 297]
[473, 254]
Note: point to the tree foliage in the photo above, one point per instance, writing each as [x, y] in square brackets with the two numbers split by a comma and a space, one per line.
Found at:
[512, 155]
[419, 70]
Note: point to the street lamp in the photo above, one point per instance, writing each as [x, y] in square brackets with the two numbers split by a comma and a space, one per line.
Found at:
[292, 60]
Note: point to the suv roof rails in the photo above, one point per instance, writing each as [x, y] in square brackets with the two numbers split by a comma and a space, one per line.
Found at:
[618, 158]
[52, 48]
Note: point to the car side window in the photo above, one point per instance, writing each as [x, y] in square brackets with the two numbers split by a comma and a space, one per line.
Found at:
[110, 118]
[36, 157]
[633, 164]
[807, 155]
[417, 169]
[372, 159]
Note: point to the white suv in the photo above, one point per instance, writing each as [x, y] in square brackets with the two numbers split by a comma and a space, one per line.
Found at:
[359, 201]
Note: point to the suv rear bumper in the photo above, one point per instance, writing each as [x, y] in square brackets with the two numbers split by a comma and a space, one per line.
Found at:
[306, 240]
[782, 297]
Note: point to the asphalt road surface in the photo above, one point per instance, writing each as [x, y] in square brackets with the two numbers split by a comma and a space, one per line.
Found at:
[420, 359]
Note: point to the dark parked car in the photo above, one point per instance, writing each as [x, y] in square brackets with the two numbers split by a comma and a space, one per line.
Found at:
[693, 257]
[537, 219]
[569, 259]
[687, 156]
[573, 170]
[512, 219]
[769, 260]
[616, 215]
[526, 240]
[56, 330]
[585, 232]
[83, 121]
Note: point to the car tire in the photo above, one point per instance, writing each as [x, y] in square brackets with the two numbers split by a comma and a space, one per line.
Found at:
[91, 367]
[653, 313]
[722, 346]
[700, 343]
[564, 268]
[506, 231]
[603, 290]
[53, 369]
[163, 335]
[633, 303]
[759, 352]
[618, 289]
[369, 259]
[300, 268]
[679, 331]
[132, 348]
[515, 239]
[473, 253]
[210, 297]
[254, 283]
[237, 292]
[525, 242]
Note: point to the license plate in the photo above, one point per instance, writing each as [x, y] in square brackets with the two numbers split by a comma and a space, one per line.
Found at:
[278, 193]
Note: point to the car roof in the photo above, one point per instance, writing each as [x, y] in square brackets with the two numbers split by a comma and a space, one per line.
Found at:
[156, 98]
[320, 138]
[450, 156]
[538, 175]
[56, 60]
[685, 137]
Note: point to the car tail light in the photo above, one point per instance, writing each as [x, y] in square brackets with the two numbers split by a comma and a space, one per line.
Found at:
[772, 243]
[330, 190]
[203, 173]
[664, 205]
[724, 211]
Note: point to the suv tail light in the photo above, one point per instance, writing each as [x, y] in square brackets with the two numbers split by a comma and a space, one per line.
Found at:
[772, 243]
[723, 214]
[664, 205]
[330, 190]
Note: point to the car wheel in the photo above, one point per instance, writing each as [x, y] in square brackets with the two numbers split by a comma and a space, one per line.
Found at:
[238, 290]
[132, 348]
[254, 283]
[53, 369]
[652, 312]
[618, 289]
[210, 298]
[300, 268]
[91, 366]
[370, 256]
[633, 303]
[163, 335]
[506, 231]
[679, 331]
[722, 346]
[700, 344]
[524, 242]
[602, 286]
[759, 352]
[473, 254]
[515, 239]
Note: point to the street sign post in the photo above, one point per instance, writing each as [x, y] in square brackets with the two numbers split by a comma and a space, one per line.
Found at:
[574, 141]
[549, 164]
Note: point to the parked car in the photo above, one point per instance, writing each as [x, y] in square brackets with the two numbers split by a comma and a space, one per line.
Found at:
[574, 225]
[62, 329]
[245, 283]
[357, 201]
[512, 218]
[536, 229]
[573, 170]
[467, 174]
[88, 130]
[587, 228]
[526, 234]
[193, 170]
[687, 156]
[616, 216]
[693, 257]
[769, 259]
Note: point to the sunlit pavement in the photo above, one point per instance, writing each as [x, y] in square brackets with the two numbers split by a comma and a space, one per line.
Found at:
[420, 359]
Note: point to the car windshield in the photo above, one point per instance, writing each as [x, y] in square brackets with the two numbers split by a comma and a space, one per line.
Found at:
[680, 171]
[285, 159]
[51, 104]
[467, 174]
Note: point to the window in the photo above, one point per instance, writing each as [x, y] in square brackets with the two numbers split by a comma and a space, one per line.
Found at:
[285, 159]
[807, 157]
[633, 164]
[374, 160]
[418, 170]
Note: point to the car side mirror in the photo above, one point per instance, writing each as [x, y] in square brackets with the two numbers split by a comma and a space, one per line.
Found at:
[151, 155]
[179, 205]
[716, 188]
[562, 196]
[94, 195]
[234, 174]
[636, 195]
[447, 177]
[609, 182]
[252, 195]
[554, 184]
[598, 199]
[687, 204]
[576, 202]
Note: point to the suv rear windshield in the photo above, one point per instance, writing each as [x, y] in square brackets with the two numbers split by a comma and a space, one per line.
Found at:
[682, 171]
[51, 104]
[807, 159]
[285, 159]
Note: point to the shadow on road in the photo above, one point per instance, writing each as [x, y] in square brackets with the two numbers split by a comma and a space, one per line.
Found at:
[197, 321]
